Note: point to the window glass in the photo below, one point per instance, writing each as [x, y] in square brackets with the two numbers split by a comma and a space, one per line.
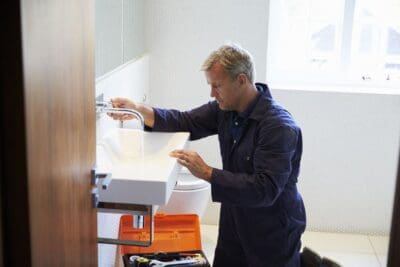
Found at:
[341, 42]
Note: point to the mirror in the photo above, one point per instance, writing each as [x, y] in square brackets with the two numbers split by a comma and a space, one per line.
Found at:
[119, 33]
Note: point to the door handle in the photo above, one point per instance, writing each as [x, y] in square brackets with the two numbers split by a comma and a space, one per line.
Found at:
[104, 177]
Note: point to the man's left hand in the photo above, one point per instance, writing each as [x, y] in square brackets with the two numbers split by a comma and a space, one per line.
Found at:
[195, 164]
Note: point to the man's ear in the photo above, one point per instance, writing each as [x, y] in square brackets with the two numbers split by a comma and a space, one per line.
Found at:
[242, 78]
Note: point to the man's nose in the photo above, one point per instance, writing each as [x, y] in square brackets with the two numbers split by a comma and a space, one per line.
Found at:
[212, 92]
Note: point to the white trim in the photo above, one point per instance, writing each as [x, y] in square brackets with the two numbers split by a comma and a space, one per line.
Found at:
[347, 26]
[120, 67]
[335, 89]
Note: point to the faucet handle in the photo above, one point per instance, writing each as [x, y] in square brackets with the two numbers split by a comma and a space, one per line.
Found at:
[103, 104]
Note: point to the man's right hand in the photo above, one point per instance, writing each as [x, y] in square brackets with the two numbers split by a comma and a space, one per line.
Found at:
[120, 102]
[146, 111]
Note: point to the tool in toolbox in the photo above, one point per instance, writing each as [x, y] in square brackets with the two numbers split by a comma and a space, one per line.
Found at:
[168, 259]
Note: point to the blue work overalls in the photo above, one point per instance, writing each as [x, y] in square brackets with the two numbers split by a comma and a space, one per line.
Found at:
[262, 214]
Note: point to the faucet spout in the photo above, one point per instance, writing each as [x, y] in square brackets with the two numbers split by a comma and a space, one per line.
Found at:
[102, 107]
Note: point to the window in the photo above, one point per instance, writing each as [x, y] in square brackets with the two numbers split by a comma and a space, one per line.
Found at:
[341, 42]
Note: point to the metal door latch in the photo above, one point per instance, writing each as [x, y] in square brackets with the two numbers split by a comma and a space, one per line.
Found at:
[105, 177]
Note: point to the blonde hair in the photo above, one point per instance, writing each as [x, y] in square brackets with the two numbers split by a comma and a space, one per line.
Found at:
[234, 60]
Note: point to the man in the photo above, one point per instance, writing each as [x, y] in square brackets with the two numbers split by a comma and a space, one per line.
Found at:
[262, 214]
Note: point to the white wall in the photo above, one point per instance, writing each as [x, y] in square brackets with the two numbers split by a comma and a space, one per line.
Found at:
[351, 144]
[182, 33]
[350, 140]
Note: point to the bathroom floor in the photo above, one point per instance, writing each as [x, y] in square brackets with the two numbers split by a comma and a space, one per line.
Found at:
[349, 250]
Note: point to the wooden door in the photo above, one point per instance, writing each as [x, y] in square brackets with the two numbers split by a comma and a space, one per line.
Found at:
[394, 244]
[48, 146]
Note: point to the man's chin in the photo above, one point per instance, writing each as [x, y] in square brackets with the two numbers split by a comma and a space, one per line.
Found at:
[224, 108]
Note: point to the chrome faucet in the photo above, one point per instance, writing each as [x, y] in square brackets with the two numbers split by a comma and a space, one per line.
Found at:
[103, 106]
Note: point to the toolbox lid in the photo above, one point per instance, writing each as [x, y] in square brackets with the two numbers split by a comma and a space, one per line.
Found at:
[172, 233]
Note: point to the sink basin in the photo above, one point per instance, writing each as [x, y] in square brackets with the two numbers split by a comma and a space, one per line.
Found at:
[142, 170]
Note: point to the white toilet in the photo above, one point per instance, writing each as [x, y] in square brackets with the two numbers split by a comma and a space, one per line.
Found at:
[190, 196]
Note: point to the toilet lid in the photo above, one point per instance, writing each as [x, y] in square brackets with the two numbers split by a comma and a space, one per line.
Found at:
[189, 182]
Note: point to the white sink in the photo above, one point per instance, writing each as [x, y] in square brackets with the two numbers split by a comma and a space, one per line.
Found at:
[142, 170]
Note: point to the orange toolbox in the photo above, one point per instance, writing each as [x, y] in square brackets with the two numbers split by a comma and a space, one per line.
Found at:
[174, 234]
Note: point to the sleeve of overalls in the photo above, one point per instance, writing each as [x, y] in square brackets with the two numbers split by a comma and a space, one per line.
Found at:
[200, 122]
[272, 163]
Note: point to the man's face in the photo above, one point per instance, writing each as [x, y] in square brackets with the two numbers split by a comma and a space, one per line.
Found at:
[223, 88]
